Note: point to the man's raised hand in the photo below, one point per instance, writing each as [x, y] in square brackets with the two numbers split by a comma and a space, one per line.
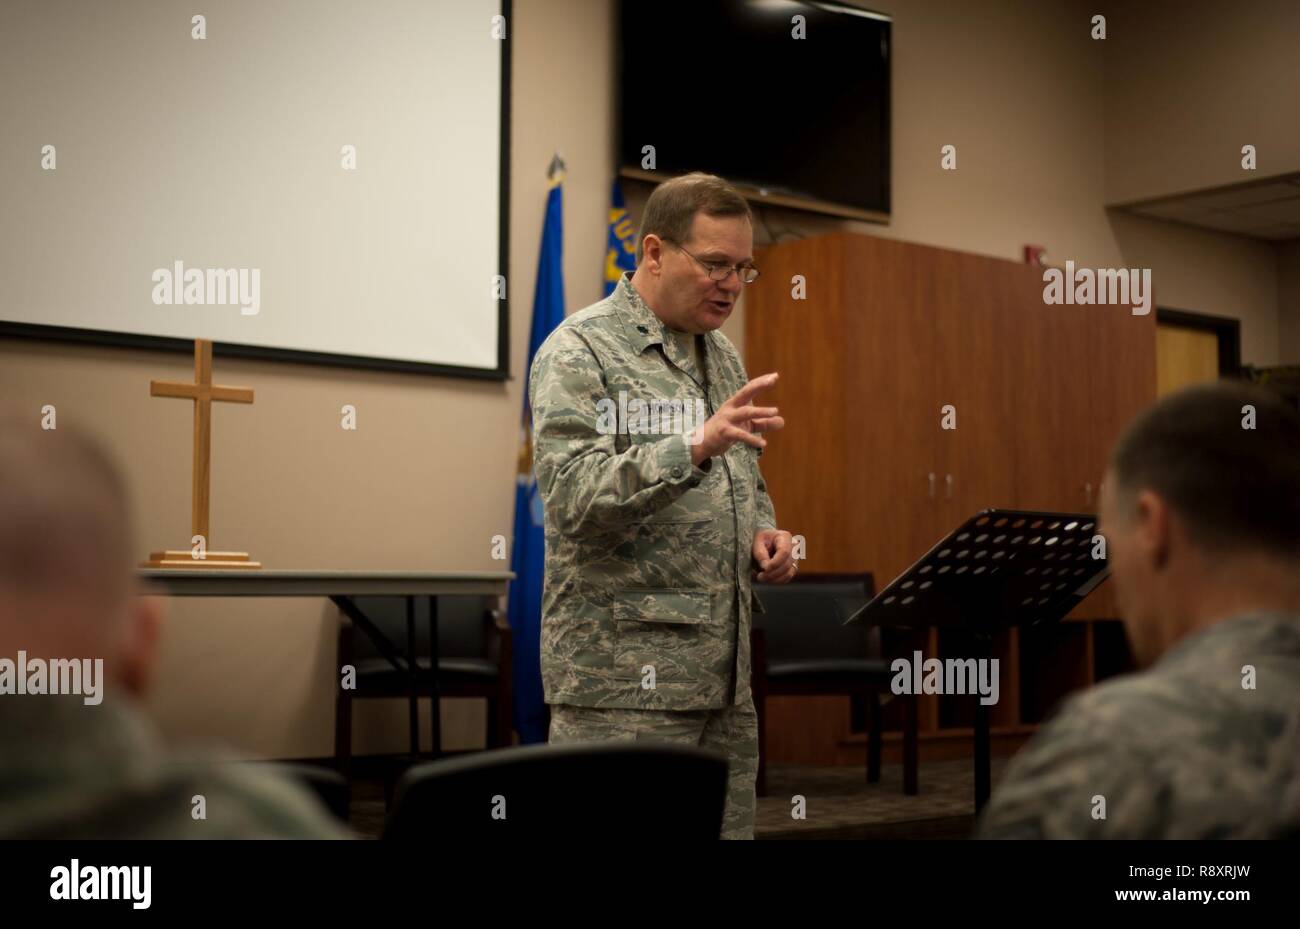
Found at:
[737, 420]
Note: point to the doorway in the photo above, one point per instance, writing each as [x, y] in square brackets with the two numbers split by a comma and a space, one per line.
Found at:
[1194, 348]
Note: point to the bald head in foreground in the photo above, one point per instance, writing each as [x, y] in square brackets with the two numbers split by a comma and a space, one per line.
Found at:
[77, 649]
[1201, 514]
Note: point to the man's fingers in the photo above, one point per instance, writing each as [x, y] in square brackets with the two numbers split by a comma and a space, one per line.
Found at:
[736, 434]
[768, 424]
[779, 560]
[738, 420]
[743, 396]
[781, 563]
[742, 413]
[775, 575]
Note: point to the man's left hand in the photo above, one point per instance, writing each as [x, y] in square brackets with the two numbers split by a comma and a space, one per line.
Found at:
[774, 553]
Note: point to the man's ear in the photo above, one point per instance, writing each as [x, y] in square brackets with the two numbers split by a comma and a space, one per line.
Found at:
[1151, 516]
[139, 656]
[652, 252]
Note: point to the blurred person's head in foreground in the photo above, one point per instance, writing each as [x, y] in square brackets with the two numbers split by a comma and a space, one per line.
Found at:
[67, 580]
[83, 764]
[1200, 510]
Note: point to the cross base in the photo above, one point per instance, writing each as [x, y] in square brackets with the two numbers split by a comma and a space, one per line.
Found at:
[184, 559]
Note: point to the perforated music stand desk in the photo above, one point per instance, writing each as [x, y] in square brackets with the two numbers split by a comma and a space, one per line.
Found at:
[998, 569]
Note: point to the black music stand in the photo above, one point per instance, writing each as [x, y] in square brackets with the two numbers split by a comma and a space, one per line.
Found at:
[998, 569]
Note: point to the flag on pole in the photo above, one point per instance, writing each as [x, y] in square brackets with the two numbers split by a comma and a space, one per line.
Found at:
[620, 250]
[528, 555]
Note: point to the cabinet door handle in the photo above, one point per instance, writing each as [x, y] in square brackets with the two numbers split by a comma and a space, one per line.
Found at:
[1088, 489]
[931, 485]
[948, 480]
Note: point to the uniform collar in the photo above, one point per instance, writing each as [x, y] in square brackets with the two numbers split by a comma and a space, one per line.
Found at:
[1229, 632]
[643, 328]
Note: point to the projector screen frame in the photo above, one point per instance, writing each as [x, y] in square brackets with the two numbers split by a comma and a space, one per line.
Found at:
[106, 337]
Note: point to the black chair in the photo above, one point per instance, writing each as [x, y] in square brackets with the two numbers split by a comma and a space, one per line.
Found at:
[330, 787]
[622, 792]
[801, 647]
[474, 660]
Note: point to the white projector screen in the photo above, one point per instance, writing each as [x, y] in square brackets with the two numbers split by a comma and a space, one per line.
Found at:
[313, 180]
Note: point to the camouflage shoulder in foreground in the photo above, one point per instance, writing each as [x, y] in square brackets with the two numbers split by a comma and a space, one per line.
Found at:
[1205, 744]
[71, 771]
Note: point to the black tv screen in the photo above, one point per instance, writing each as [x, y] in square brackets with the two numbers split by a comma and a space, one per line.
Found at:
[723, 86]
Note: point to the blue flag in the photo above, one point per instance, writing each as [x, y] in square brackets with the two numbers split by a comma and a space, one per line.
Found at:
[529, 553]
[620, 250]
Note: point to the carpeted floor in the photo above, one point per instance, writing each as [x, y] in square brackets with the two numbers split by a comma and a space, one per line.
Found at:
[838, 803]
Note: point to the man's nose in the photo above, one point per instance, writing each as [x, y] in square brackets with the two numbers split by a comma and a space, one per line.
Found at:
[732, 283]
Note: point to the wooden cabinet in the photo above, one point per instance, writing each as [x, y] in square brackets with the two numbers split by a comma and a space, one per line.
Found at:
[1123, 381]
[974, 320]
[1048, 364]
[887, 336]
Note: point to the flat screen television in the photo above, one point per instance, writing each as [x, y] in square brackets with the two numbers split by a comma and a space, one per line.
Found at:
[725, 86]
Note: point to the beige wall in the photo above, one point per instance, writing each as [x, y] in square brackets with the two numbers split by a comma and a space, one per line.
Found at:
[1209, 272]
[1189, 82]
[427, 479]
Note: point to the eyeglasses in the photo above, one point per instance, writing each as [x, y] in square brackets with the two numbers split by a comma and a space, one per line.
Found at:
[747, 274]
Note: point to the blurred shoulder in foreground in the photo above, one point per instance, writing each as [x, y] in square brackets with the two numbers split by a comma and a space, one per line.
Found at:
[78, 646]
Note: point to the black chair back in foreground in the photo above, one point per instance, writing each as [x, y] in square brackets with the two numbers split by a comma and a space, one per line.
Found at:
[626, 791]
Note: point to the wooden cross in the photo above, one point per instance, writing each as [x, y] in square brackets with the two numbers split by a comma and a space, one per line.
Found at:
[204, 393]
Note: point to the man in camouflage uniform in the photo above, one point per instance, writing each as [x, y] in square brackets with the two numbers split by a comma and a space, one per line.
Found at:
[1201, 513]
[653, 530]
[75, 770]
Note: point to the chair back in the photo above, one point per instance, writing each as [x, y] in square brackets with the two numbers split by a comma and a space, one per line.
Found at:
[804, 619]
[618, 791]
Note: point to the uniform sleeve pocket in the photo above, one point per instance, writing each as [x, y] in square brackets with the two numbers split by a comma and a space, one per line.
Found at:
[649, 605]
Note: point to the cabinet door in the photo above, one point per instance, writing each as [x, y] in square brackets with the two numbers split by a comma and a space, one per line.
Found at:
[974, 311]
[1049, 364]
[851, 469]
[799, 335]
[1123, 381]
[1123, 348]
[889, 403]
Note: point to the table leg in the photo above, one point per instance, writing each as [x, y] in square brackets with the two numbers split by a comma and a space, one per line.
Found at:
[413, 678]
[386, 648]
[435, 710]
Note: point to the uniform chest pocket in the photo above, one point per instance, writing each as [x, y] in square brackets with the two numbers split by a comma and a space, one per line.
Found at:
[681, 548]
[663, 629]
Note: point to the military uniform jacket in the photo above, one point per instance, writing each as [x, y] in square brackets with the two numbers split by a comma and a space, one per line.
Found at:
[71, 771]
[1204, 745]
[646, 601]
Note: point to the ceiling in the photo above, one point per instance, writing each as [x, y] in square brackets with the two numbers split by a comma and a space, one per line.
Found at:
[1267, 210]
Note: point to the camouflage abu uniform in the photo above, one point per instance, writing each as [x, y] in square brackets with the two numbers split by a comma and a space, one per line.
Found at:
[71, 771]
[648, 557]
[1182, 750]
